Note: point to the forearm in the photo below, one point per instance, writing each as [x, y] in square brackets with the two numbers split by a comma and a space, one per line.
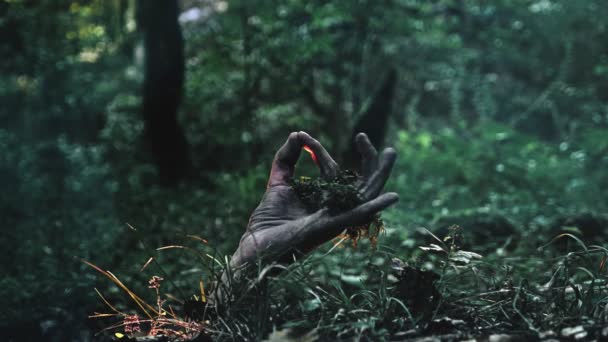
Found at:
[232, 277]
[243, 272]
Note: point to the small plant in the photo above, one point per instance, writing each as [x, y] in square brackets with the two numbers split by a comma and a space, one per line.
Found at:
[157, 321]
[338, 195]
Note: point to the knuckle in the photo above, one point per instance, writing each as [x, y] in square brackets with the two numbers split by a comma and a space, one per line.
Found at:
[293, 136]
[390, 152]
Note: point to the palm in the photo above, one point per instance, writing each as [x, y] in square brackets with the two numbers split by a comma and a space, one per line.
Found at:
[282, 225]
[279, 206]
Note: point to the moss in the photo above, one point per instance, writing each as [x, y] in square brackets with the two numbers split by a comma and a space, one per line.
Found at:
[338, 195]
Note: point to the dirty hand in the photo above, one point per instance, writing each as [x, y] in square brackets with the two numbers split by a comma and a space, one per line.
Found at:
[281, 225]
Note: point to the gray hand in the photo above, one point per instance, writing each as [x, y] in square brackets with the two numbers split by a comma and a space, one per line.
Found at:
[282, 225]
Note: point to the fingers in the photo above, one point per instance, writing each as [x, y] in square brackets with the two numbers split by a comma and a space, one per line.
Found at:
[283, 166]
[379, 177]
[369, 155]
[284, 163]
[329, 168]
[363, 212]
[321, 227]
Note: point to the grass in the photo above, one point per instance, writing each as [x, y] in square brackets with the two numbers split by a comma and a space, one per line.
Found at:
[444, 291]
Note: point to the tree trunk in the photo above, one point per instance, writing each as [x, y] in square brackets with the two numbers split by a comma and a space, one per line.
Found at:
[162, 89]
[374, 119]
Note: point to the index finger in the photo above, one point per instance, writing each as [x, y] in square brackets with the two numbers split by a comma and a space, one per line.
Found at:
[328, 166]
[369, 155]
[284, 163]
[283, 166]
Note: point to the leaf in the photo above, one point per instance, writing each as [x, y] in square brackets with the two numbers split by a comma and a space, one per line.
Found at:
[198, 238]
[574, 331]
[424, 139]
[425, 231]
[285, 335]
[140, 302]
[202, 288]
[146, 264]
[433, 247]
[464, 256]
[579, 241]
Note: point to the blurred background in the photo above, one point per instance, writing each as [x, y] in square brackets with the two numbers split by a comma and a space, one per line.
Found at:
[165, 115]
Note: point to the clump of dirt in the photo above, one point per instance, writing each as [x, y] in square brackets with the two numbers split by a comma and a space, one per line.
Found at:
[338, 196]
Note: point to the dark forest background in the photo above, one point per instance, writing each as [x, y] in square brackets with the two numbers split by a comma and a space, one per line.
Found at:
[165, 115]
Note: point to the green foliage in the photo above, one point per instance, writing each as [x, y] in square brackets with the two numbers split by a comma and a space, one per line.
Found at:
[491, 167]
[446, 291]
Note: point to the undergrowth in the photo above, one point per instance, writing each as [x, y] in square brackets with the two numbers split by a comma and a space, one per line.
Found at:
[439, 290]
[528, 259]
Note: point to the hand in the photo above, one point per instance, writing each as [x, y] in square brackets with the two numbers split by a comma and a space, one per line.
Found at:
[282, 225]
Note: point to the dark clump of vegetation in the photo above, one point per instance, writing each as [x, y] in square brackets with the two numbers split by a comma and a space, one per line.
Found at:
[338, 195]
